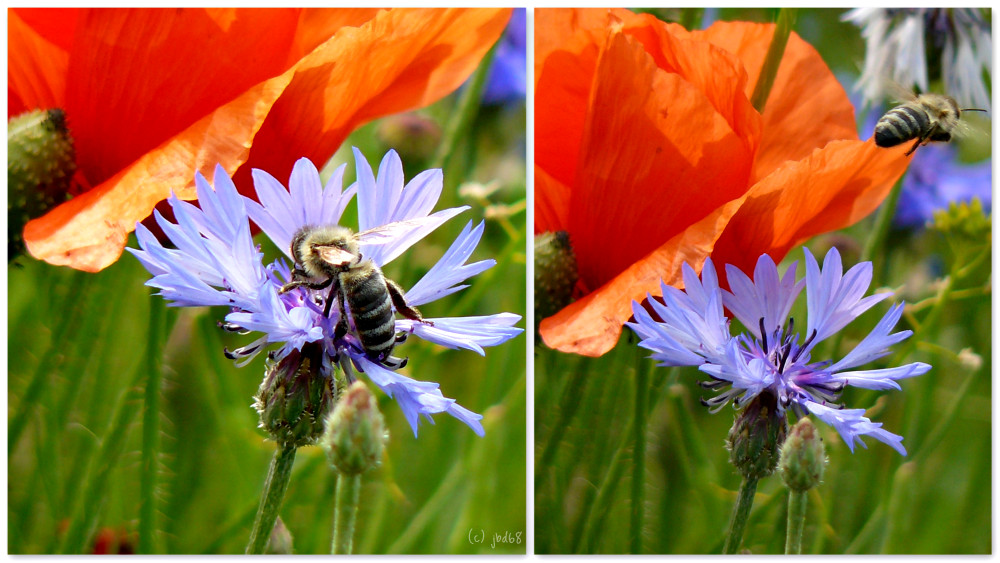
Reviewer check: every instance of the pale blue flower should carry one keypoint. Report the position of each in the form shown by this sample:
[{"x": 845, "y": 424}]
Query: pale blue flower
[
  {"x": 905, "y": 45},
  {"x": 216, "y": 263},
  {"x": 936, "y": 179},
  {"x": 770, "y": 357},
  {"x": 508, "y": 77}
]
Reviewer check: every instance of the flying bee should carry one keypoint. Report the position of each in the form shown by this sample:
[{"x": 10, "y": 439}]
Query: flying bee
[
  {"x": 330, "y": 255},
  {"x": 926, "y": 118}
]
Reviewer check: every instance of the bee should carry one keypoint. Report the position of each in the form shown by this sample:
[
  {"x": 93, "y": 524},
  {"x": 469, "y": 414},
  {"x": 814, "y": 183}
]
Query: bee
[
  {"x": 926, "y": 118},
  {"x": 330, "y": 255}
]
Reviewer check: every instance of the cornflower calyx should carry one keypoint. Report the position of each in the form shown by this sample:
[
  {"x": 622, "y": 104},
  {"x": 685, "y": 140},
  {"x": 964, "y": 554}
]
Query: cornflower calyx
[
  {"x": 768, "y": 359},
  {"x": 297, "y": 393}
]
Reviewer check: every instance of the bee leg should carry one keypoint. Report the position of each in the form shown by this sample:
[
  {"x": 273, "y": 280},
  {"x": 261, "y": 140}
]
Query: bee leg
[
  {"x": 399, "y": 301},
  {"x": 345, "y": 365},
  {"x": 299, "y": 279},
  {"x": 393, "y": 362},
  {"x": 401, "y": 337},
  {"x": 914, "y": 147},
  {"x": 335, "y": 294}
]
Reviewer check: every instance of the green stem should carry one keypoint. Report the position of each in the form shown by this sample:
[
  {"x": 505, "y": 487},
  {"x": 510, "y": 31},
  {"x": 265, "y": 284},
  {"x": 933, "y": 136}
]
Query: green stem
[
  {"x": 797, "y": 501},
  {"x": 639, "y": 453},
  {"x": 741, "y": 513},
  {"x": 151, "y": 428},
  {"x": 571, "y": 399},
  {"x": 77, "y": 303},
  {"x": 882, "y": 222},
  {"x": 602, "y": 504},
  {"x": 775, "y": 51},
  {"x": 691, "y": 18},
  {"x": 86, "y": 513},
  {"x": 270, "y": 501},
  {"x": 345, "y": 513},
  {"x": 465, "y": 112}
]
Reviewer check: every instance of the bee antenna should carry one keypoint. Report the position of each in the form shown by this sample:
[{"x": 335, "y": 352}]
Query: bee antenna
[{"x": 974, "y": 109}]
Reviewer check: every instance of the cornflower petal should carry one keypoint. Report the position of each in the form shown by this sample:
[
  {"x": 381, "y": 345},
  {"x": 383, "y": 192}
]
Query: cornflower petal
[
  {"x": 294, "y": 327},
  {"x": 471, "y": 333},
  {"x": 417, "y": 398},
  {"x": 835, "y": 299},
  {"x": 379, "y": 203},
  {"x": 692, "y": 330},
  {"x": 451, "y": 269},
  {"x": 286, "y": 211},
  {"x": 852, "y": 424},
  {"x": 765, "y": 297}
]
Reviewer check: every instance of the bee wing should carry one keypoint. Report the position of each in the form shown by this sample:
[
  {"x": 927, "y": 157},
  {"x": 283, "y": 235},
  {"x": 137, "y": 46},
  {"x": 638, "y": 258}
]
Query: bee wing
[
  {"x": 896, "y": 92},
  {"x": 333, "y": 255},
  {"x": 389, "y": 232}
]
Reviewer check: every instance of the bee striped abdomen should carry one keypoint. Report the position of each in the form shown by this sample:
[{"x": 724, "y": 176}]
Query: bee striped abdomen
[
  {"x": 900, "y": 124},
  {"x": 371, "y": 309}
]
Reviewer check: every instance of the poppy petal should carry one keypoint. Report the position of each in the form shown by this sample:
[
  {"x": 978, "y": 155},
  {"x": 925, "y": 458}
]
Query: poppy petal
[
  {"x": 592, "y": 325},
  {"x": 650, "y": 136},
  {"x": 36, "y": 67},
  {"x": 832, "y": 188},
  {"x": 807, "y": 107},
  {"x": 89, "y": 231}
]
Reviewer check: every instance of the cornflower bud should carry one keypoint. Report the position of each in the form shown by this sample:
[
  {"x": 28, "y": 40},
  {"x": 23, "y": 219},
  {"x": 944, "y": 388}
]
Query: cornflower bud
[
  {"x": 803, "y": 457},
  {"x": 755, "y": 439},
  {"x": 355, "y": 432}
]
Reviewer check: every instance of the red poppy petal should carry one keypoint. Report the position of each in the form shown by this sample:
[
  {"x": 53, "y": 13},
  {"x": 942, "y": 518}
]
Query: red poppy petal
[
  {"x": 807, "y": 107},
  {"x": 138, "y": 77},
  {"x": 592, "y": 325},
  {"x": 89, "y": 231},
  {"x": 650, "y": 137},
  {"x": 401, "y": 59},
  {"x": 832, "y": 188},
  {"x": 551, "y": 203},
  {"x": 36, "y": 68}
]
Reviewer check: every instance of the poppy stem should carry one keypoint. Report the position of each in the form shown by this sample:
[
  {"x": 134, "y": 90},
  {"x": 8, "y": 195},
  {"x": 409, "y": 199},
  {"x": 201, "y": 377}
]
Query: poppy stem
[
  {"x": 466, "y": 111},
  {"x": 270, "y": 501},
  {"x": 786, "y": 19},
  {"x": 883, "y": 220},
  {"x": 692, "y": 18},
  {"x": 159, "y": 329},
  {"x": 639, "y": 452}
]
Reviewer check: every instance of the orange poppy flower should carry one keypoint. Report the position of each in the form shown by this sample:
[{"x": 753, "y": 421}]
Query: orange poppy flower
[
  {"x": 650, "y": 154},
  {"x": 153, "y": 95}
]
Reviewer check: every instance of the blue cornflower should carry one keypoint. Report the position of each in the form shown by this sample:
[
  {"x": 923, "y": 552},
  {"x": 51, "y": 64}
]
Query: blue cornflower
[
  {"x": 769, "y": 357},
  {"x": 937, "y": 179},
  {"x": 215, "y": 262},
  {"x": 508, "y": 77},
  {"x": 913, "y": 46}
]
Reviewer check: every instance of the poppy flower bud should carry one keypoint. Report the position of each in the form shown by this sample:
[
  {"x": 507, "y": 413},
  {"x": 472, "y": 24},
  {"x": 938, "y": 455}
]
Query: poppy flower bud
[
  {"x": 555, "y": 273},
  {"x": 803, "y": 457},
  {"x": 41, "y": 162},
  {"x": 755, "y": 439},
  {"x": 355, "y": 432},
  {"x": 415, "y": 137},
  {"x": 296, "y": 395}
]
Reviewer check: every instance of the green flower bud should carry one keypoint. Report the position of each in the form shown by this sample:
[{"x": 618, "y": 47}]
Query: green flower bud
[
  {"x": 297, "y": 393},
  {"x": 964, "y": 223},
  {"x": 803, "y": 457},
  {"x": 555, "y": 274},
  {"x": 355, "y": 432},
  {"x": 755, "y": 439},
  {"x": 41, "y": 162},
  {"x": 414, "y": 136}
]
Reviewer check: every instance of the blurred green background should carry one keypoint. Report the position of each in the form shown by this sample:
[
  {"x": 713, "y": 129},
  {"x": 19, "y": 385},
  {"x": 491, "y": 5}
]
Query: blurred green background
[
  {"x": 935, "y": 500},
  {"x": 81, "y": 347}
]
